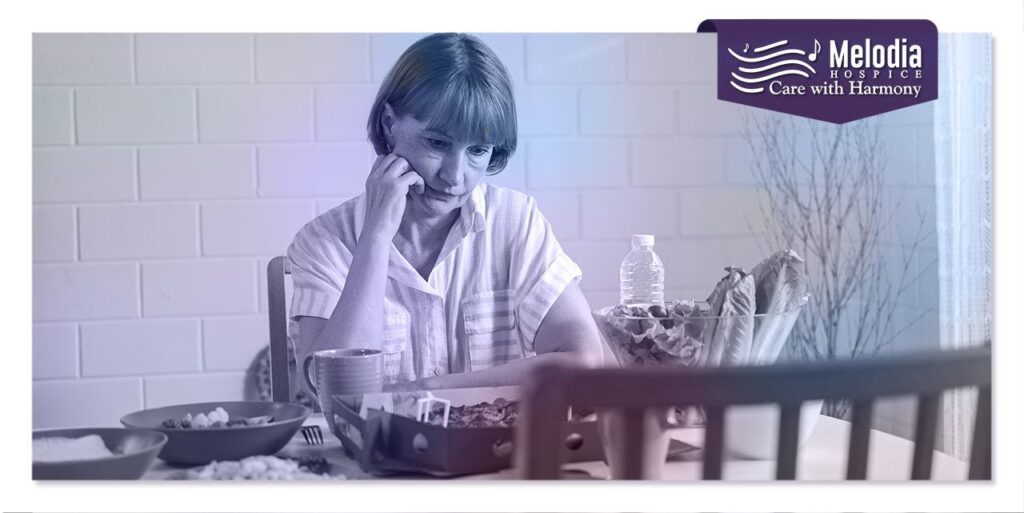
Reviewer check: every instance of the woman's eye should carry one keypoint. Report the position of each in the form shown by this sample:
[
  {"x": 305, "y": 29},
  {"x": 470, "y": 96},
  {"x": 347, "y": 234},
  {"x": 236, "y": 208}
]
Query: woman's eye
[
  {"x": 437, "y": 143},
  {"x": 479, "y": 152}
]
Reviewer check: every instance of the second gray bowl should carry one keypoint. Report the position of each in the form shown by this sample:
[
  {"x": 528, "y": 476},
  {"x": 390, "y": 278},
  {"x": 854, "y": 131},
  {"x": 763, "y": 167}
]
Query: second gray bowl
[
  {"x": 134, "y": 452},
  {"x": 187, "y": 447}
]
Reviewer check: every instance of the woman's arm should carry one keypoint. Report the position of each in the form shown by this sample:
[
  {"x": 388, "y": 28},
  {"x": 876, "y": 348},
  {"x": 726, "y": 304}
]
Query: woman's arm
[
  {"x": 357, "y": 319},
  {"x": 567, "y": 334}
]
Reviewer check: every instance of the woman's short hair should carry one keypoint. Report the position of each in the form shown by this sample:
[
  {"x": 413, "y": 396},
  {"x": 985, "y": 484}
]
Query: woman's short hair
[{"x": 457, "y": 86}]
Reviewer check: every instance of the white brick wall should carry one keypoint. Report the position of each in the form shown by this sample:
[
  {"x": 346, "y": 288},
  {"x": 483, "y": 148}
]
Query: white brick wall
[
  {"x": 554, "y": 109},
  {"x": 627, "y": 110},
  {"x": 316, "y": 58},
  {"x": 308, "y": 170},
  {"x": 341, "y": 111},
  {"x": 52, "y": 119},
  {"x": 253, "y": 227},
  {"x": 86, "y": 402},
  {"x": 169, "y": 168},
  {"x": 132, "y": 114},
  {"x": 79, "y": 175},
  {"x": 229, "y": 343},
  {"x": 74, "y": 292},
  {"x": 577, "y": 163},
  {"x": 140, "y": 347},
  {"x": 199, "y": 287},
  {"x": 575, "y": 58},
  {"x": 196, "y": 172},
  {"x": 54, "y": 350},
  {"x": 167, "y": 390},
  {"x": 193, "y": 58},
  {"x": 137, "y": 231},
  {"x": 81, "y": 59},
  {"x": 53, "y": 234},
  {"x": 249, "y": 113}
]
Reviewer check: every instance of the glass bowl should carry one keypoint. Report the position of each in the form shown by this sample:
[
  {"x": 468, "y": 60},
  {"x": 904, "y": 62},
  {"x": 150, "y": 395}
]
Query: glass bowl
[{"x": 686, "y": 335}]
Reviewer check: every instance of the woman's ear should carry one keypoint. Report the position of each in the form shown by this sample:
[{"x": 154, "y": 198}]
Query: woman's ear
[{"x": 387, "y": 121}]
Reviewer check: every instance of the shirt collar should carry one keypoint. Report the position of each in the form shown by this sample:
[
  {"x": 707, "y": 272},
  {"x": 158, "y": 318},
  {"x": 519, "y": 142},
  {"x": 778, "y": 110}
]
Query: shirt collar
[{"x": 474, "y": 210}]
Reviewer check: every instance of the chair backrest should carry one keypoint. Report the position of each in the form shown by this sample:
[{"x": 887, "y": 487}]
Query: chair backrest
[
  {"x": 278, "y": 312},
  {"x": 553, "y": 388}
]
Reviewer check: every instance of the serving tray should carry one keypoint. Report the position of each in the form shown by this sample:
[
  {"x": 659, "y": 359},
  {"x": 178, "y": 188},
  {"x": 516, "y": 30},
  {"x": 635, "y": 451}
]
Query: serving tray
[{"x": 390, "y": 440}]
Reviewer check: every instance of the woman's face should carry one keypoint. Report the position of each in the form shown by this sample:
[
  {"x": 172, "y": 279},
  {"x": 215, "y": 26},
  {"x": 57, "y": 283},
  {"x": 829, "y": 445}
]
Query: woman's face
[{"x": 450, "y": 169}]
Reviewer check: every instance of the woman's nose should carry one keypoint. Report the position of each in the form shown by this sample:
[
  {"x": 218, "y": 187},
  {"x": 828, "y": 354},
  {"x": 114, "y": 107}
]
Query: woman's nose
[{"x": 454, "y": 170}]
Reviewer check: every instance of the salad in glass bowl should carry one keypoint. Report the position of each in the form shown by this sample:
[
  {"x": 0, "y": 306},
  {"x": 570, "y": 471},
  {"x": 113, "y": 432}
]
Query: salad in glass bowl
[{"x": 746, "y": 320}]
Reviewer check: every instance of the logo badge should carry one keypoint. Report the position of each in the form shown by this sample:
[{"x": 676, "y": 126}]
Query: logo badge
[{"x": 830, "y": 70}]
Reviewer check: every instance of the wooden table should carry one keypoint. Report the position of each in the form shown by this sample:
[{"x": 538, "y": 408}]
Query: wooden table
[{"x": 821, "y": 457}]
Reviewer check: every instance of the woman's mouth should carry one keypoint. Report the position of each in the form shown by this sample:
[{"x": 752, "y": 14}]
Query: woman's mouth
[{"x": 441, "y": 195}]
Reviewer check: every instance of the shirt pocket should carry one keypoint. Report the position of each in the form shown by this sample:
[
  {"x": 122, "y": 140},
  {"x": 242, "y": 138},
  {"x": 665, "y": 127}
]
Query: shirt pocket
[
  {"x": 489, "y": 320},
  {"x": 394, "y": 342}
]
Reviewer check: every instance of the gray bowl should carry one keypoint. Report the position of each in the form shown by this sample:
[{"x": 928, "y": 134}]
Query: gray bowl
[
  {"x": 134, "y": 452},
  {"x": 187, "y": 447}
]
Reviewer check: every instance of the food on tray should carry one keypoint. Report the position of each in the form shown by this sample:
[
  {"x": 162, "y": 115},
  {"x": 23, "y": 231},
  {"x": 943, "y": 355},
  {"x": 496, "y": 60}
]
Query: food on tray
[
  {"x": 732, "y": 327},
  {"x": 57, "y": 448},
  {"x": 500, "y": 413},
  {"x": 269, "y": 468},
  {"x": 217, "y": 418},
  {"x": 781, "y": 287}
]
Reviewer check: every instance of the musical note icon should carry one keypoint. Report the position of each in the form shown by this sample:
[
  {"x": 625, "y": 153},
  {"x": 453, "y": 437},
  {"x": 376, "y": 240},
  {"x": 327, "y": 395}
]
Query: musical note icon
[
  {"x": 814, "y": 55},
  {"x": 746, "y": 47}
]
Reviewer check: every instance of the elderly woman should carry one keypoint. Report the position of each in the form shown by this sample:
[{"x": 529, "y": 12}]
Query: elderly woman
[{"x": 459, "y": 283}]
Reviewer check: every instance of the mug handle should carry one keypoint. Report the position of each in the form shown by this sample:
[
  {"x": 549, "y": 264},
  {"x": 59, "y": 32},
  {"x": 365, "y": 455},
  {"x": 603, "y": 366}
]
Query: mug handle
[{"x": 305, "y": 374}]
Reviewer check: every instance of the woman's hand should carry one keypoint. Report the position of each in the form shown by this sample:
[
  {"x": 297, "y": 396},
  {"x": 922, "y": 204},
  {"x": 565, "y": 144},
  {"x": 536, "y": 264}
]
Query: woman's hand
[{"x": 391, "y": 178}]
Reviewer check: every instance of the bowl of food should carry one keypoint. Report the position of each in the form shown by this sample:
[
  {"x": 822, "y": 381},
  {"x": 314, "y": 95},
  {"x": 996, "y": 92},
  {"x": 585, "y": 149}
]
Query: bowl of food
[
  {"x": 688, "y": 333},
  {"x": 94, "y": 453},
  {"x": 746, "y": 320},
  {"x": 203, "y": 432}
]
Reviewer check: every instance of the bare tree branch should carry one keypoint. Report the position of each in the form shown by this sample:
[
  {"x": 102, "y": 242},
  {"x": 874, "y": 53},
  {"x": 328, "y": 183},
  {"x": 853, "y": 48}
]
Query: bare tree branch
[{"x": 826, "y": 198}]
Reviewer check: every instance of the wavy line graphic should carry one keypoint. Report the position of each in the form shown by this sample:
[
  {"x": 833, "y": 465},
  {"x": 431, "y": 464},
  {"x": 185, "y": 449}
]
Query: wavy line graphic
[
  {"x": 754, "y": 60},
  {"x": 769, "y": 47},
  {"x": 758, "y": 80},
  {"x": 754, "y": 75},
  {"x": 776, "y": 65},
  {"x": 746, "y": 89}
]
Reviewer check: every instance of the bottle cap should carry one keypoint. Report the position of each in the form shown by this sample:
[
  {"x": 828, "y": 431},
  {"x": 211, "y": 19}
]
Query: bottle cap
[{"x": 643, "y": 240}]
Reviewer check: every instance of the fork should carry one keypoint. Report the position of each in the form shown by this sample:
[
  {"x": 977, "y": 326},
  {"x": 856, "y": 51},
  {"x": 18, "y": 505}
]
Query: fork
[{"x": 313, "y": 435}]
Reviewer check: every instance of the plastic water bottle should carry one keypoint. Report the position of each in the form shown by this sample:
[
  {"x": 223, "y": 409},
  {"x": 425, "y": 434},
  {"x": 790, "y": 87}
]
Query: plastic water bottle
[{"x": 642, "y": 275}]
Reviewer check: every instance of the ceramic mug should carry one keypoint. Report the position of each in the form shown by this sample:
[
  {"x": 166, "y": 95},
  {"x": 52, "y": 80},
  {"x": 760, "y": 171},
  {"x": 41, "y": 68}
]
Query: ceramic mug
[{"x": 342, "y": 372}]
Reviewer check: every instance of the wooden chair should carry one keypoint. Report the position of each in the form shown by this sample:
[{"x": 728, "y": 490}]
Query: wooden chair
[
  {"x": 277, "y": 308},
  {"x": 631, "y": 391}
]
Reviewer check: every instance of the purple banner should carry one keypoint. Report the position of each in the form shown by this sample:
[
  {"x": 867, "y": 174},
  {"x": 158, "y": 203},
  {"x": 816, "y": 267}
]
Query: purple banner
[{"x": 830, "y": 70}]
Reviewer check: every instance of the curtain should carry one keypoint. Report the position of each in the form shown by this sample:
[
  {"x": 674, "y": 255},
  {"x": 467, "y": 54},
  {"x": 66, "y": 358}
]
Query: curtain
[{"x": 963, "y": 180}]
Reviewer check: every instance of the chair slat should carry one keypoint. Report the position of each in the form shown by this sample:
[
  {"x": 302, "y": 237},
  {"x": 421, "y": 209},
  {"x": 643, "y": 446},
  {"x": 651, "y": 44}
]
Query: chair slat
[
  {"x": 714, "y": 435},
  {"x": 789, "y": 438},
  {"x": 277, "y": 312},
  {"x": 717, "y": 389},
  {"x": 924, "y": 436},
  {"x": 980, "y": 466},
  {"x": 632, "y": 453},
  {"x": 860, "y": 440},
  {"x": 538, "y": 442}
]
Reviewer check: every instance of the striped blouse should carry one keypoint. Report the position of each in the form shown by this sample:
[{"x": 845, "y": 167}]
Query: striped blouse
[{"x": 498, "y": 273}]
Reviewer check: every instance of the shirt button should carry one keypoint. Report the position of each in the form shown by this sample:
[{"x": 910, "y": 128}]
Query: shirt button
[{"x": 438, "y": 371}]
